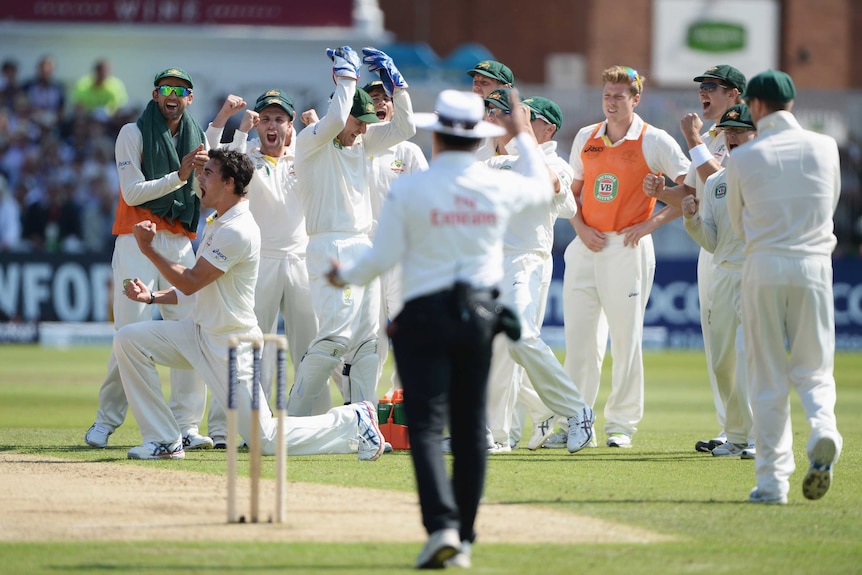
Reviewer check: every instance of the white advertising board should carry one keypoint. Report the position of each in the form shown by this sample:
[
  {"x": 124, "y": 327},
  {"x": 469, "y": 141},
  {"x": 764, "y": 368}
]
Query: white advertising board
[{"x": 690, "y": 36}]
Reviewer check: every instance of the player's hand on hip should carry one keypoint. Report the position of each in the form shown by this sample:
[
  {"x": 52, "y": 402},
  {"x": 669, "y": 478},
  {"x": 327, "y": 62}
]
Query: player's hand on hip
[
  {"x": 250, "y": 119},
  {"x": 593, "y": 239},
  {"x": 633, "y": 234},
  {"x": 690, "y": 205}
]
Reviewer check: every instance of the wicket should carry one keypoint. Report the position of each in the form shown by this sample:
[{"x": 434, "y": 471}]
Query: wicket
[{"x": 254, "y": 446}]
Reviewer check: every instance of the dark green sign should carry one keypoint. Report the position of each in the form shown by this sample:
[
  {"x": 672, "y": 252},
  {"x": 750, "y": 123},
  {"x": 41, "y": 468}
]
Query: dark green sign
[{"x": 712, "y": 36}]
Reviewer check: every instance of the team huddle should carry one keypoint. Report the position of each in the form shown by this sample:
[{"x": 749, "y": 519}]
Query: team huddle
[{"x": 345, "y": 230}]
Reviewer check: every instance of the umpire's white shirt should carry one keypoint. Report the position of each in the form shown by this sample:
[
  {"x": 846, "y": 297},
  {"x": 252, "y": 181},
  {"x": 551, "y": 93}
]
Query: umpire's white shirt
[
  {"x": 443, "y": 224},
  {"x": 333, "y": 179},
  {"x": 231, "y": 243}
]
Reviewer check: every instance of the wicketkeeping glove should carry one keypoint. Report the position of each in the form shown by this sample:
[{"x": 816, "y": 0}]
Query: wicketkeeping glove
[
  {"x": 345, "y": 62},
  {"x": 382, "y": 65}
]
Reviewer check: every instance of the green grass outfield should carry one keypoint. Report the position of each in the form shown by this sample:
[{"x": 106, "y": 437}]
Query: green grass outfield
[{"x": 48, "y": 399}]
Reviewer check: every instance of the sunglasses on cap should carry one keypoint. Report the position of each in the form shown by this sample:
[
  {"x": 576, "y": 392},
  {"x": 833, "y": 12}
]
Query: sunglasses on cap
[
  {"x": 634, "y": 76},
  {"x": 534, "y": 116},
  {"x": 736, "y": 129},
  {"x": 180, "y": 91},
  {"x": 493, "y": 112},
  {"x": 711, "y": 86}
]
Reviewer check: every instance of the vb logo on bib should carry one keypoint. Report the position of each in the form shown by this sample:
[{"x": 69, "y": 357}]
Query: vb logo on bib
[{"x": 606, "y": 187}]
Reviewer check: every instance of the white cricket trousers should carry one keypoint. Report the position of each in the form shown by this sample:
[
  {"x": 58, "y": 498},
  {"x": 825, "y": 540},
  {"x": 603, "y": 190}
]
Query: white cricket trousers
[
  {"x": 348, "y": 317},
  {"x": 139, "y": 347},
  {"x": 282, "y": 285},
  {"x": 704, "y": 289},
  {"x": 726, "y": 339},
  {"x": 525, "y": 288},
  {"x": 616, "y": 280},
  {"x": 188, "y": 391},
  {"x": 788, "y": 299}
]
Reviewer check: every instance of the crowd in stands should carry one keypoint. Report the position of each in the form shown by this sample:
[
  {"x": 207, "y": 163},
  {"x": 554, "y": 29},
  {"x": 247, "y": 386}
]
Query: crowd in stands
[{"x": 58, "y": 181}]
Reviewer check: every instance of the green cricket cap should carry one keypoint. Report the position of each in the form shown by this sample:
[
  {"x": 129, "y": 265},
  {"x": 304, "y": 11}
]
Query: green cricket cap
[
  {"x": 278, "y": 98},
  {"x": 493, "y": 69},
  {"x": 174, "y": 73},
  {"x": 499, "y": 98},
  {"x": 373, "y": 85},
  {"x": 548, "y": 109},
  {"x": 773, "y": 85},
  {"x": 725, "y": 74},
  {"x": 363, "y": 108},
  {"x": 737, "y": 116}
]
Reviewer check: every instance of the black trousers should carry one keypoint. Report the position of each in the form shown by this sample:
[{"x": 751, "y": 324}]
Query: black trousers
[{"x": 443, "y": 358}]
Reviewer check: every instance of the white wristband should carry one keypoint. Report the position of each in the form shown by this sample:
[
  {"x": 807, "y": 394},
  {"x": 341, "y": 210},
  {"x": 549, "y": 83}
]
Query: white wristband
[
  {"x": 183, "y": 299},
  {"x": 699, "y": 155}
]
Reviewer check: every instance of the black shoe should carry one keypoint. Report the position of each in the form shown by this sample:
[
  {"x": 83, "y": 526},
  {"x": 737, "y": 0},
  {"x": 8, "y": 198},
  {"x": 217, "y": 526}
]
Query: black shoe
[{"x": 705, "y": 446}]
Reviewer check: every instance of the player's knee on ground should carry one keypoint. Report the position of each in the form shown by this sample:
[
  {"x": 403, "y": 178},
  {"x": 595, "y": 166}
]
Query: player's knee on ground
[{"x": 313, "y": 374}]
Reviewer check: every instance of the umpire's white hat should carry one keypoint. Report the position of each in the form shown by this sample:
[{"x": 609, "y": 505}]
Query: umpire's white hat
[{"x": 459, "y": 114}]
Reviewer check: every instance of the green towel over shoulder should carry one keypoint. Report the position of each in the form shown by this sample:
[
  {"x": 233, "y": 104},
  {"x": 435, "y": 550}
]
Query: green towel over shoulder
[{"x": 160, "y": 158}]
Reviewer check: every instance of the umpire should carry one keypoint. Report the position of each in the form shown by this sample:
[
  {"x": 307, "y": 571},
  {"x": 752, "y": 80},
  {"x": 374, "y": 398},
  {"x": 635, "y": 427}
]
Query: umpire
[{"x": 445, "y": 227}]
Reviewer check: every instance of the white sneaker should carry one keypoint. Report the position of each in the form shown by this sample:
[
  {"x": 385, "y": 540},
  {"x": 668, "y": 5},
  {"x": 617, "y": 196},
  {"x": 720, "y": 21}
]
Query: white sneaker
[
  {"x": 463, "y": 558},
  {"x": 194, "y": 440},
  {"x": 618, "y": 439},
  {"x": 819, "y": 477},
  {"x": 593, "y": 442},
  {"x": 557, "y": 440},
  {"x": 757, "y": 497},
  {"x": 97, "y": 436},
  {"x": 371, "y": 441},
  {"x": 499, "y": 448},
  {"x": 443, "y": 544},
  {"x": 152, "y": 450},
  {"x": 219, "y": 442},
  {"x": 748, "y": 453},
  {"x": 542, "y": 432},
  {"x": 729, "y": 449},
  {"x": 580, "y": 430}
]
